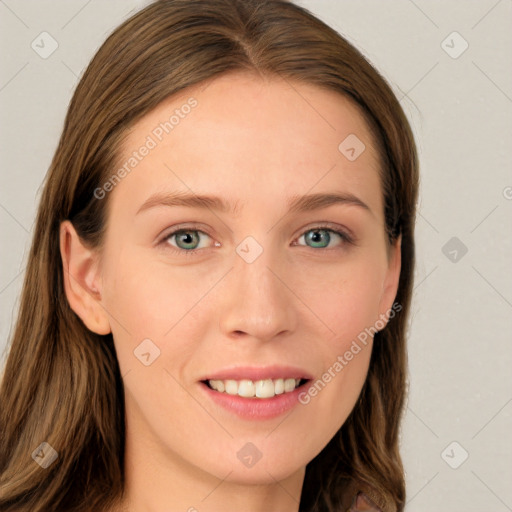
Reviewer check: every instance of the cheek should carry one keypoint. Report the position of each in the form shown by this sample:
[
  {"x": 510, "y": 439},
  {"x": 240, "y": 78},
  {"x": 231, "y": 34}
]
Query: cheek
[
  {"x": 149, "y": 297},
  {"x": 346, "y": 298}
]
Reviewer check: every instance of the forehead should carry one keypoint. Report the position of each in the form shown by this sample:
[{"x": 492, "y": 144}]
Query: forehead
[{"x": 251, "y": 139}]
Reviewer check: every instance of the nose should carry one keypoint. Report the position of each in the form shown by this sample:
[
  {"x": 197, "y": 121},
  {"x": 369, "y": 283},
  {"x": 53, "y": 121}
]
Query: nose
[{"x": 256, "y": 302}]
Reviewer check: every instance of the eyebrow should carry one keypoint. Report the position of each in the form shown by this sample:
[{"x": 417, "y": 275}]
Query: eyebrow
[
  {"x": 317, "y": 201},
  {"x": 188, "y": 199},
  {"x": 296, "y": 203}
]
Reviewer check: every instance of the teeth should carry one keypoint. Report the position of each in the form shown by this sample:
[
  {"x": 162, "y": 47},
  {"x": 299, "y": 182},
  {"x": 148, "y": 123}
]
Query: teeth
[
  {"x": 245, "y": 388},
  {"x": 260, "y": 389},
  {"x": 265, "y": 388},
  {"x": 289, "y": 385},
  {"x": 279, "y": 386},
  {"x": 231, "y": 387}
]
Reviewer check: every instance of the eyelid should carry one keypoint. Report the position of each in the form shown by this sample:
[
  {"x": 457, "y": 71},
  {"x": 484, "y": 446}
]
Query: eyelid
[
  {"x": 346, "y": 235},
  {"x": 163, "y": 240},
  {"x": 182, "y": 227}
]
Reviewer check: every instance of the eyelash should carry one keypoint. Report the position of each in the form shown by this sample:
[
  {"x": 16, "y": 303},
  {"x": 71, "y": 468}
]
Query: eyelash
[{"x": 345, "y": 239}]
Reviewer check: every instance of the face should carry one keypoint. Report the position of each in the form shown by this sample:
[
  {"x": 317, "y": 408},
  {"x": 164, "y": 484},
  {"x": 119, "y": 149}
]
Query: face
[{"x": 246, "y": 252}]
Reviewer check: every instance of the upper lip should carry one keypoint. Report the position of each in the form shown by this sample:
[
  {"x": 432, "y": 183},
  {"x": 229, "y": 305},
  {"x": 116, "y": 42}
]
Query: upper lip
[{"x": 259, "y": 373}]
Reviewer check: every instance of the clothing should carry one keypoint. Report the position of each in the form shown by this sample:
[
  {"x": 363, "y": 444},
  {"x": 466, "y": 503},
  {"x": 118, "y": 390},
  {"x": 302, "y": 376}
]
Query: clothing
[
  {"x": 362, "y": 498},
  {"x": 362, "y": 503}
]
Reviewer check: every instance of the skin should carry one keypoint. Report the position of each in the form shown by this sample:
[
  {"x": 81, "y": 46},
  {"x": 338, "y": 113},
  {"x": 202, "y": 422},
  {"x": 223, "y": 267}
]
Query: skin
[{"x": 253, "y": 142}]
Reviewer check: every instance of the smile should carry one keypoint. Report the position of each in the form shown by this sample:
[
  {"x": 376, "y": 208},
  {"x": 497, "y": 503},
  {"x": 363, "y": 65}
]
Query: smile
[{"x": 266, "y": 388}]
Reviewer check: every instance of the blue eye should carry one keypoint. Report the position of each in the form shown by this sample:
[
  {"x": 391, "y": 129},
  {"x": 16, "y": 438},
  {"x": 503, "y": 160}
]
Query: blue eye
[
  {"x": 186, "y": 239},
  {"x": 320, "y": 238}
]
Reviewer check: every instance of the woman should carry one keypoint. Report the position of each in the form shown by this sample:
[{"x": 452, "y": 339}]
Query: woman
[{"x": 215, "y": 303}]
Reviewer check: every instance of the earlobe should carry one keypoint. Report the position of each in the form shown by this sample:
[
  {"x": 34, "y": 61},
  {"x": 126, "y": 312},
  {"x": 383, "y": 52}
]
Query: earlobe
[
  {"x": 82, "y": 281},
  {"x": 392, "y": 279}
]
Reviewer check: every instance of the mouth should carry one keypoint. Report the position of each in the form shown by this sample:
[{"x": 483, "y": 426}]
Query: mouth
[
  {"x": 257, "y": 389},
  {"x": 255, "y": 393}
]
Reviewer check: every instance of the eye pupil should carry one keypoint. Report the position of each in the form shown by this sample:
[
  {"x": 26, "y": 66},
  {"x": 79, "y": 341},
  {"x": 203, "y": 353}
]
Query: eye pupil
[
  {"x": 187, "y": 239},
  {"x": 318, "y": 237}
]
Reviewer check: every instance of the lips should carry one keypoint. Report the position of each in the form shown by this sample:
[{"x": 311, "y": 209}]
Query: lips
[{"x": 256, "y": 393}]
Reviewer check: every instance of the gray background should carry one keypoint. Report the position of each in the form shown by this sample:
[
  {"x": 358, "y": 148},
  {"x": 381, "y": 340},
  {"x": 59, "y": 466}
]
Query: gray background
[{"x": 460, "y": 107}]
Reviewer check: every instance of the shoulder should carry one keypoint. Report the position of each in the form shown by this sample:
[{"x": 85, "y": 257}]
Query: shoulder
[{"x": 363, "y": 503}]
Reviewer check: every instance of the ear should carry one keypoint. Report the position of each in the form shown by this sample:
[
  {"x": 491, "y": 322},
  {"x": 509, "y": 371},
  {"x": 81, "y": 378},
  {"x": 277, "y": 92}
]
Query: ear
[
  {"x": 82, "y": 280},
  {"x": 391, "y": 281}
]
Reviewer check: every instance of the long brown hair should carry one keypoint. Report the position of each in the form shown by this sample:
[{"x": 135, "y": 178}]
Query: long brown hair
[{"x": 61, "y": 383}]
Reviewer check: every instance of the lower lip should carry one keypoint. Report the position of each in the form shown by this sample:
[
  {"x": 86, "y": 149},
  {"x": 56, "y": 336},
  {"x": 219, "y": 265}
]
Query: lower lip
[{"x": 255, "y": 408}]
